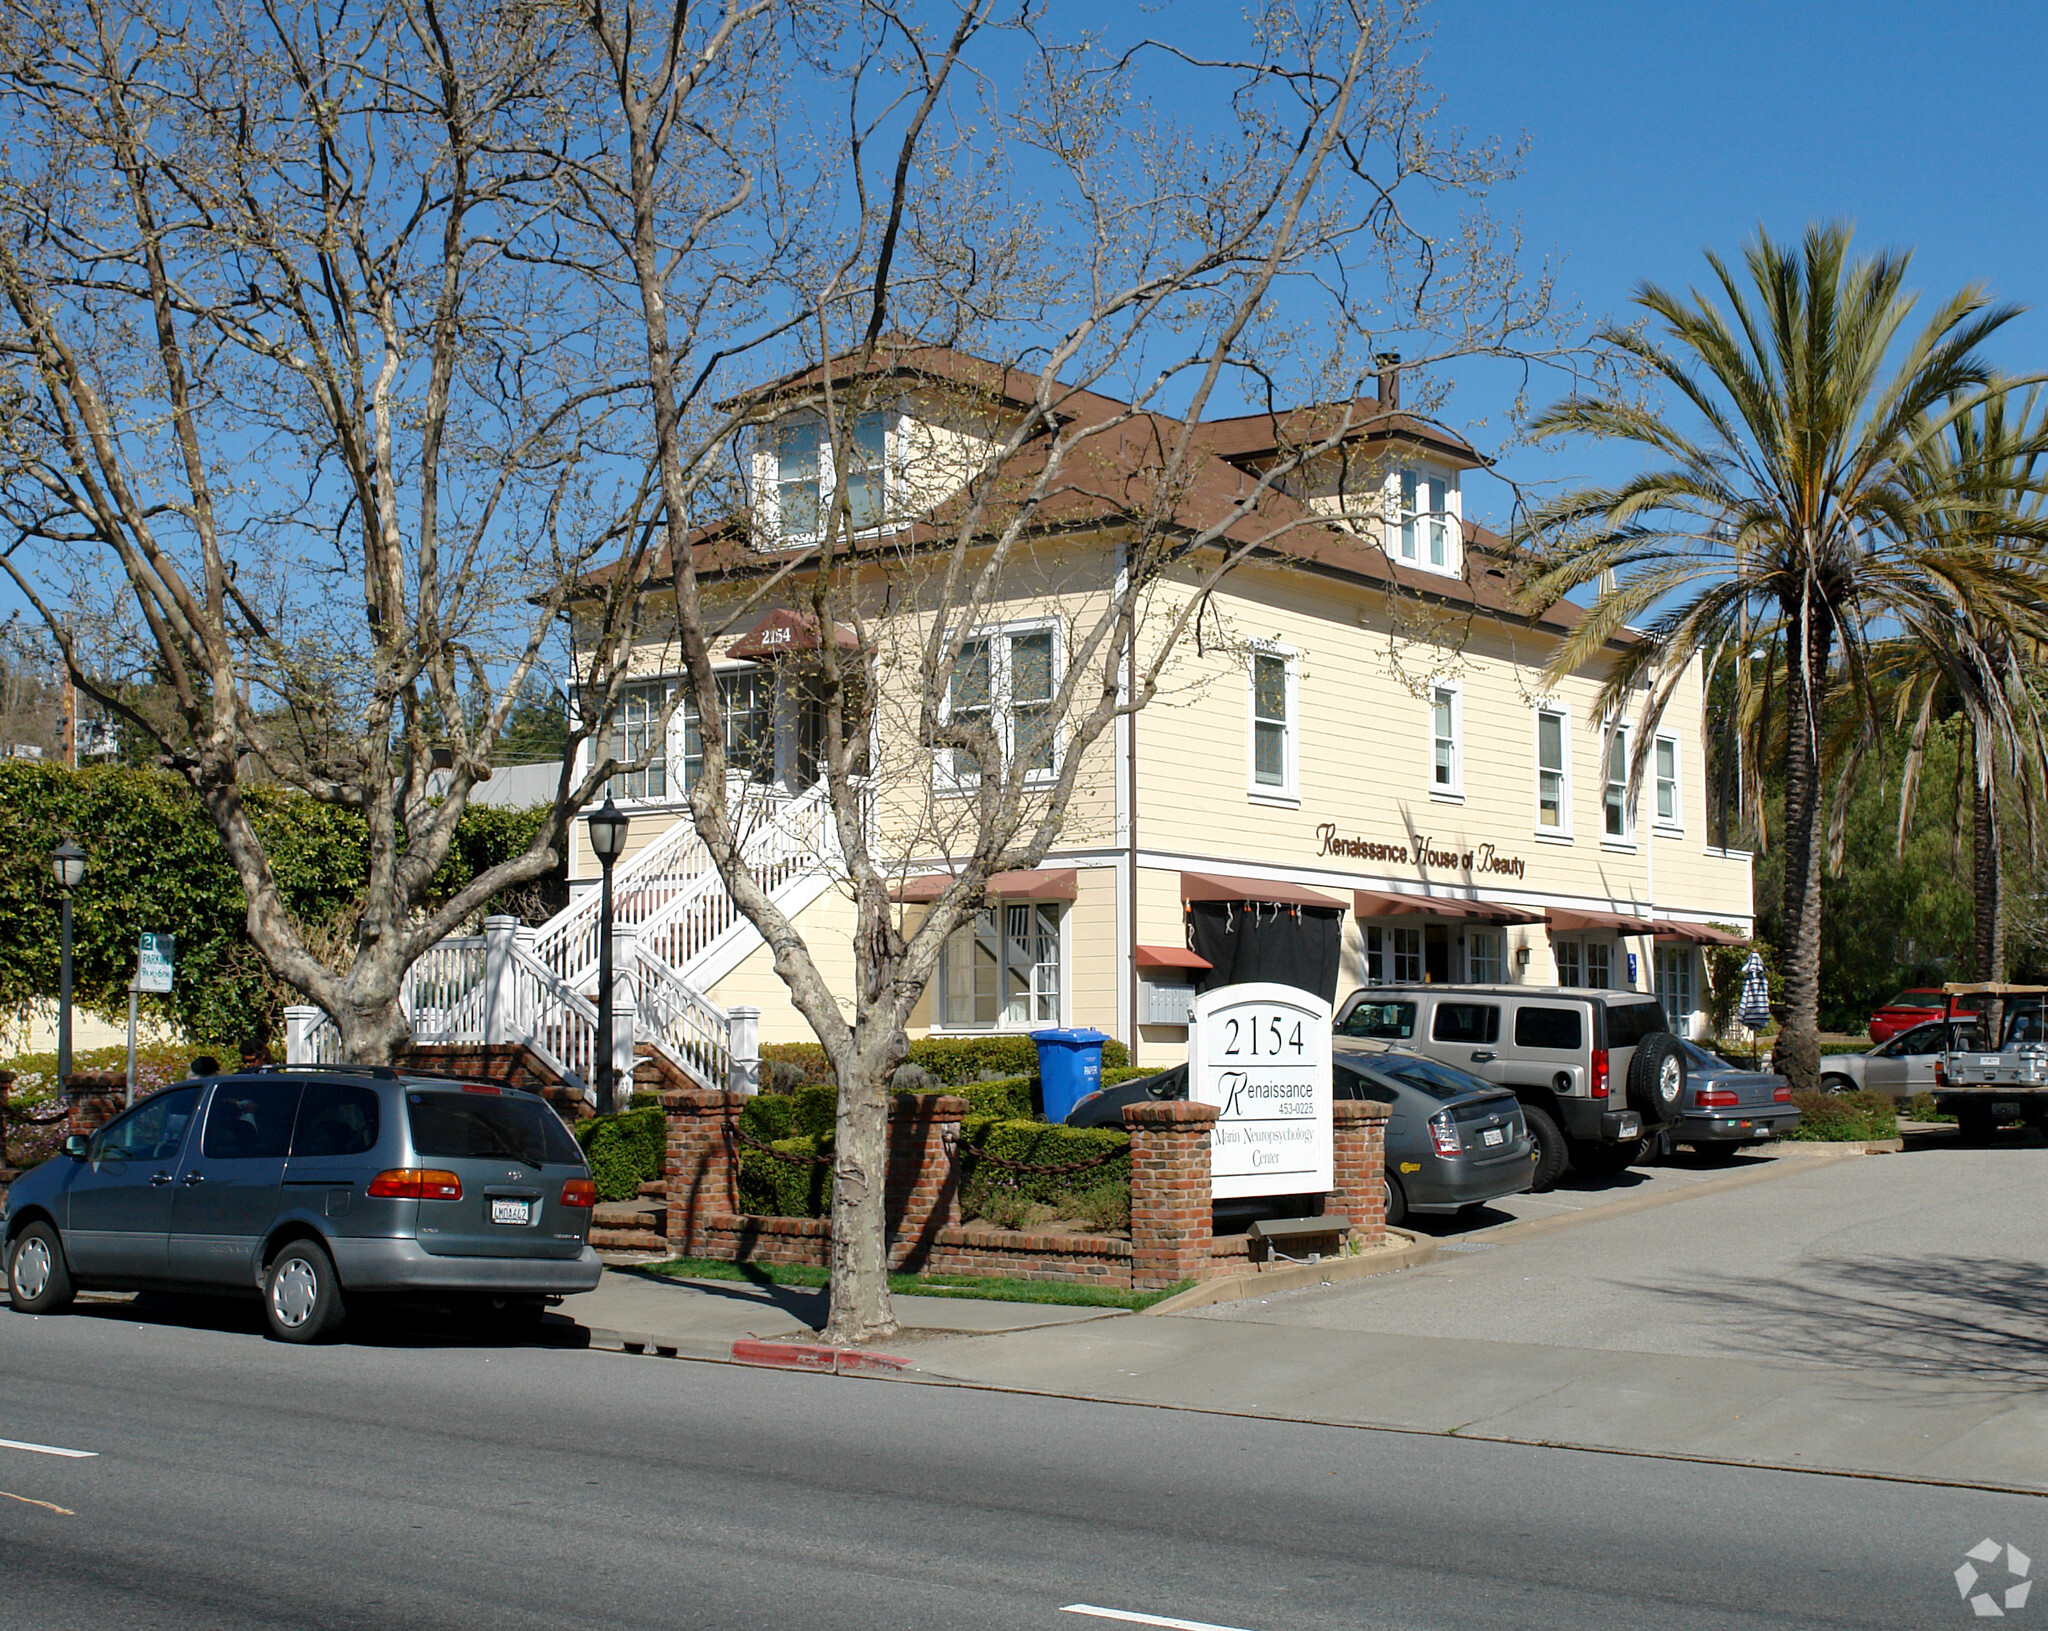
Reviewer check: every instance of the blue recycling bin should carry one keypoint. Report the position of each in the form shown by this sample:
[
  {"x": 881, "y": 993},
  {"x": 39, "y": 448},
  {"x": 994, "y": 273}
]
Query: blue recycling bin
[{"x": 1069, "y": 1069}]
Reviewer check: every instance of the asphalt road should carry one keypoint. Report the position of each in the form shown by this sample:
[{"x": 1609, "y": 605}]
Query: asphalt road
[{"x": 401, "y": 1481}]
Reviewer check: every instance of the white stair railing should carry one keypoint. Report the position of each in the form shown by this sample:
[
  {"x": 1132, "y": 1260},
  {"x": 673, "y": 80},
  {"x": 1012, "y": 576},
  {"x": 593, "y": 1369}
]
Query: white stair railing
[
  {"x": 681, "y": 1022},
  {"x": 444, "y": 993},
  {"x": 568, "y": 941},
  {"x": 558, "y": 1023}
]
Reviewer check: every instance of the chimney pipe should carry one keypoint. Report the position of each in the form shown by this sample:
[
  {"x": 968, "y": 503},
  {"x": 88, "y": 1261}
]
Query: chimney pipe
[{"x": 1389, "y": 364}]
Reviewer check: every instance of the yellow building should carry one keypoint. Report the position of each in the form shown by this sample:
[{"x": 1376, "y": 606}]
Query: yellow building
[{"x": 1357, "y": 737}]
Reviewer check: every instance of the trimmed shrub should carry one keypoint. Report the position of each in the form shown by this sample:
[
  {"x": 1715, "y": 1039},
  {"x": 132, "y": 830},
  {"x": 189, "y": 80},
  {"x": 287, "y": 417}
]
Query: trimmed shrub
[
  {"x": 624, "y": 1151},
  {"x": 780, "y": 1189},
  {"x": 769, "y": 1118},
  {"x": 1006, "y": 1100},
  {"x": 1039, "y": 1144},
  {"x": 1825, "y": 1118},
  {"x": 814, "y": 1110},
  {"x": 806, "y": 1059},
  {"x": 959, "y": 1060}
]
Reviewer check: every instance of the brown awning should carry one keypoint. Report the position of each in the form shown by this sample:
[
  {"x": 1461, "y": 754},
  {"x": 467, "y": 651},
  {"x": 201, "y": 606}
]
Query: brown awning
[
  {"x": 1215, "y": 886},
  {"x": 1171, "y": 957},
  {"x": 1619, "y": 922},
  {"x": 783, "y": 631},
  {"x": 1699, "y": 934},
  {"x": 1379, "y": 903},
  {"x": 1051, "y": 884}
]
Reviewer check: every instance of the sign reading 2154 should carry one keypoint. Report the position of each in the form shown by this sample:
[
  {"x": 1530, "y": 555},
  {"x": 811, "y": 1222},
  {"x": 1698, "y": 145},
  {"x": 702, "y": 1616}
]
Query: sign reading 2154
[{"x": 1261, "y": 1055}]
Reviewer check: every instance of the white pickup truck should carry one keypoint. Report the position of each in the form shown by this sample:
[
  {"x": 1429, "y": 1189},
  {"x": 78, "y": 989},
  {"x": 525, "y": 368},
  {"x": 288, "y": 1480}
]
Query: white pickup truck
[{"x": 1983, "y": 1088}]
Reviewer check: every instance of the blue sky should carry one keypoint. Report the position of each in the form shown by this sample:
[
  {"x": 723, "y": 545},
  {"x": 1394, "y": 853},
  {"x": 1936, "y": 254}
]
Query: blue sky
[{"x": 1657, "y": 130}]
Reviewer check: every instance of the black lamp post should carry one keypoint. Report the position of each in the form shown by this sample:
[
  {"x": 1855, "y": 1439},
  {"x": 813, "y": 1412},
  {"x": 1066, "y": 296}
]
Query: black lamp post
[
  {"x": 607, "y": 838},
  {"x": 67, "y": 860}
]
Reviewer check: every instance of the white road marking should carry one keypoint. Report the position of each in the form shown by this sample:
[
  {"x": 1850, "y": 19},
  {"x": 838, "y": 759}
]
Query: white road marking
[
  {"x": 1144, "y": 1619},
  {"x": 47, "y": 1449}
]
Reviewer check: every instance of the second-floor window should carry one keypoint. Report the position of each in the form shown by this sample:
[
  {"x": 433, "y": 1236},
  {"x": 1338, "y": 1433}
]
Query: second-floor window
[
  {"x": 1425, "y": 521},
  {"x": 746, "y": 696},
  {"x": 1273, "y": 723},
  {"x": 1552, "y": 806},
  {"x": 1005, "y": 680},
  {"x": 1667, "y": 781},
  {"x": 640, "y": 732},
  {"x": 1614, "y": 792},
  {"x": 1443, "y": 714}
]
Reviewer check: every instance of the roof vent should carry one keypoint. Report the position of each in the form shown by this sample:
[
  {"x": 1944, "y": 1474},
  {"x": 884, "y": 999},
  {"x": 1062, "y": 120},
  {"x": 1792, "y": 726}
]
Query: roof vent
[{"x": 1389, "y": 365}]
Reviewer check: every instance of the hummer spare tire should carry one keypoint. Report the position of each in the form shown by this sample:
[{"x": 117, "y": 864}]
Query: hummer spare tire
[{"x": 1656, "y": 1079}]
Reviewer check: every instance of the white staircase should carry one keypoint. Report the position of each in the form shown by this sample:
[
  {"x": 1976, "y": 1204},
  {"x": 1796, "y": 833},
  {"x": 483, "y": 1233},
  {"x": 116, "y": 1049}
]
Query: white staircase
[{"x": 676, "y": 932}]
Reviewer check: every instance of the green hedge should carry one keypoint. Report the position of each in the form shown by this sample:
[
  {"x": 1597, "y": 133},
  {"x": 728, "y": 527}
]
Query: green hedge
[
  {"x": 782, "y": 1189},
  {"x": 624, "y": 1151},
  {"x": 1828, "y": 1118},
  {"x": 952, "y": 1061},
  {"x": 1039, "y": 1144}
]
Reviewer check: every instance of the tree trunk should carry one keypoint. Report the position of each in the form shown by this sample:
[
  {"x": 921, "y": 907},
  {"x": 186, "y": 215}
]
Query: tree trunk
[
  {"x": 1809, "y": 640},
  {"x": 1987, "y": 884},
  {"x": 861, "y": 1310}
]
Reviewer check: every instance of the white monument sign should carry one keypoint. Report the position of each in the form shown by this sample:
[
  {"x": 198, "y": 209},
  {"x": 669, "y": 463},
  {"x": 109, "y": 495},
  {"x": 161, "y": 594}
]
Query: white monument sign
[
  {"x": 1261, "y": 1055},
  {"x": 153, "y": 962}
]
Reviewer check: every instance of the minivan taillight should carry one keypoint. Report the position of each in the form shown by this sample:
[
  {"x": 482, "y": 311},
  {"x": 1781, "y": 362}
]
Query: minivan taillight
[
  {"x": 1714, "y": 1098},
  {"x": 1443, "y": 1133},
  {"x": 579, "y": 1192},
  {"x": 1599, "y": 1073},
  {"x": 416, "y": 1184}
]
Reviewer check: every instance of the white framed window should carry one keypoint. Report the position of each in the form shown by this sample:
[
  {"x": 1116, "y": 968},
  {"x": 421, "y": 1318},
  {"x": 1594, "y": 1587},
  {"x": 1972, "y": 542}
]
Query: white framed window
[
  {"x": 802, "y": 476},
  {"x": 1584, "y": 962},
  {"x": 746, "y": 696},
  {"x": 1007, "y": 679},
  {"x": 1393, "y": 955},
  {"x": 1571, "y": 961},
  {"x": 1273, "y": 732},
  {"x": 1446, "y": 731},
  {"x": 1426, "y": 537},
  {"x": 1665, "y": 771},
  {"x": 1553, "y": 772},
  {"x": 639, "y": 731},
  {"x": 1486, "y": 956},
  {"x": 1677, "y": 985},
  {"x": 1001, "y": 970},
  {"x": 1599, "y": 965},
  {"x": 1617, "y": 821}
]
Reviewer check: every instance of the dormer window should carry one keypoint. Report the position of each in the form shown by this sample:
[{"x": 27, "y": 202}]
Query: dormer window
[
  {"x": 1425, "y": 522},
  {"x": 802, "y": 476}
]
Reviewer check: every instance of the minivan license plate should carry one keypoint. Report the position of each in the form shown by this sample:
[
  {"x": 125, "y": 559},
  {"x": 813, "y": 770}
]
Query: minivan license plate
[
  {"x": 1494, "y": 1135},
  {"x": 503, "y": 1211}
]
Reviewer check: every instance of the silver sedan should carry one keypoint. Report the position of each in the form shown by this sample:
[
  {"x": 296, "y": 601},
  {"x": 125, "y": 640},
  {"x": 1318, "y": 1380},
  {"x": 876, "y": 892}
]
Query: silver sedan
[{"x": 1901, "y": 1067}]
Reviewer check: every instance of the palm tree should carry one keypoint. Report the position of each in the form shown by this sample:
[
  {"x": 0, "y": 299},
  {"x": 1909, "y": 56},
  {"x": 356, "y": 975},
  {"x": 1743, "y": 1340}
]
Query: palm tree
[
  {"x": 1983, "y": 669},
  {"x": 1793, "y": 514}
]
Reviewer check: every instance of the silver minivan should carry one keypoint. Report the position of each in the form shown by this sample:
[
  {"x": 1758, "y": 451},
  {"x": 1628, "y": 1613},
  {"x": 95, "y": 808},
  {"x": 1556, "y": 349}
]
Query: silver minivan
[
  {"x": 1597, "y": 1072},
  {"x": 306, "y": 1188}
]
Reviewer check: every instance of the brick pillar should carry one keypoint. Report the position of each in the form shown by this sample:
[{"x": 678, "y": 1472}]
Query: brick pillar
[
  {"x": 703, "y": 1181},
  {"x": 1170, "y": 1217},
  {"x": 92, "y": 1100},
  {"x": 923, "y": 1188},
  {"x": 1360, "y": 1129}
]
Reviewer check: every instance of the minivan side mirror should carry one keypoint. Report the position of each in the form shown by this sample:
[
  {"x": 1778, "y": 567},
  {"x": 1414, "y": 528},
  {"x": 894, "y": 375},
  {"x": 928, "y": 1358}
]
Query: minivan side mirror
[{"x": 76, "y": 1145}]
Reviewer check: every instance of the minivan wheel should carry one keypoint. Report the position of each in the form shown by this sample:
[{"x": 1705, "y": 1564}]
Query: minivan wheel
[
  {"x": 38, "y": 1279},
  {"x": 1656, "y": 1079},
  {"x": 1553, "y": 1154},
  {"x": 1397, "y": 1198},
  {"x": 301, "y": 1296}
]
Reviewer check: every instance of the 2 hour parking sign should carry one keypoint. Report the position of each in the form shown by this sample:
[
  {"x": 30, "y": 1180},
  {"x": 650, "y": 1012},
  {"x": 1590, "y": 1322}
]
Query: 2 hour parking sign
[{"x": 1261, "y": 1054}]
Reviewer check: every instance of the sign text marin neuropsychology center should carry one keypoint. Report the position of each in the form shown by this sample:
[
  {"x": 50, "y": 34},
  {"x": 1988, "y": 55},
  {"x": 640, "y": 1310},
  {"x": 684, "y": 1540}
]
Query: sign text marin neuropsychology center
[
  {"x": 1420, "y": 849},
  {"x": 1261, "y": 1054},
  {"x": 153, "y": 962}
]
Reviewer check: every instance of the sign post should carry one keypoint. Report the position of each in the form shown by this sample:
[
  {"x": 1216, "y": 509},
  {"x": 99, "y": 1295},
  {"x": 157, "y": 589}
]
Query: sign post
[
  {"x": 153, "y": 964},
  {"x": 1261, "y": 1054}
]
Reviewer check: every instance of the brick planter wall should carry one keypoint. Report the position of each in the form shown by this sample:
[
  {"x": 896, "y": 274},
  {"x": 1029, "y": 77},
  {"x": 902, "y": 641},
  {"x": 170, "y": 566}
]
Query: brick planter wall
[
  {"x": 1361, "y": 1193},
  {"x": 92, "y": 1100},
  {"x": 1171, "y": 1230},
  {"x": 921, "y": 1198},
  {"x": 703, "y": 1179}
]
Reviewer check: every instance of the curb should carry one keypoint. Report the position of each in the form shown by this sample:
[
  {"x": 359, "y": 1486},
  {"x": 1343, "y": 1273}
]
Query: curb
[
  {"x": 814, "y": 1356},
  {"x": 1233, "y": 1288}
]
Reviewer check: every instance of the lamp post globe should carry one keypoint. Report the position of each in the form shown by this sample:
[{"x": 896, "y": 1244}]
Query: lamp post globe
[
  {"x": 67, "y": 862},
  {"x": 607, "y": 828}
]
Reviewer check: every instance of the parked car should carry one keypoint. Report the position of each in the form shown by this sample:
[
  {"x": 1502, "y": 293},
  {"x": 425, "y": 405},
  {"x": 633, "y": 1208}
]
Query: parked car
[
  {"x": 1728, "y": 1107},
  {"x": 1595, "y": 1071},
  {"x": 1914, "y": 1007},
  {"x": 1903, "y": 1066},
  {"x": 1453, "y": 1141},
  {"x": 307, "y": 1188}
]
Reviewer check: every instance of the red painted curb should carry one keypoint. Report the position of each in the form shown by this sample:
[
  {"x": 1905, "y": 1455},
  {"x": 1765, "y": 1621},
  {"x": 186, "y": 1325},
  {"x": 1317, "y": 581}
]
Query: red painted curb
[{"x": 813, "y": 1356}]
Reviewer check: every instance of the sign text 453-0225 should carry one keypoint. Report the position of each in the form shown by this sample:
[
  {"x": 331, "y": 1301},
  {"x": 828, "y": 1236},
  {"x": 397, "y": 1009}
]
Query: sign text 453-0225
[{"x": 1261, "y": 1054}]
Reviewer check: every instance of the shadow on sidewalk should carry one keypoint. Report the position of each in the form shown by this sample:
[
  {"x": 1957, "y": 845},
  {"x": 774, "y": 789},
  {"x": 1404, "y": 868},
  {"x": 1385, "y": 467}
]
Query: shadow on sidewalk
[
  {"x": 1984, "y": 1318},
  {"x": 807, "y": 1303}
]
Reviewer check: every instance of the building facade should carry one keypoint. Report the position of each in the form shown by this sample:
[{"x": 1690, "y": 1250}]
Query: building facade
[{"x": 1358, "y": 737}]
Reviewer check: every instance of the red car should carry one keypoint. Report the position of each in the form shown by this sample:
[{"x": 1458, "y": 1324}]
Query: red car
[{"x": 1910, "y": 1008}]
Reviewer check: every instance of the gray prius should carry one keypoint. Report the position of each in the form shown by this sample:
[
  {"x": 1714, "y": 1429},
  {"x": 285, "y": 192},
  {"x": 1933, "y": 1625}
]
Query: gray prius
[{"x": 308, "y": 1188}]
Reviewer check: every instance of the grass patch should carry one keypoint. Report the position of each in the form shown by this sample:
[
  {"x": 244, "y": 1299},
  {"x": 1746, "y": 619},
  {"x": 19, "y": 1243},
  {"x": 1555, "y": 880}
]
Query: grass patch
[{"x": 918, "y": 1285}]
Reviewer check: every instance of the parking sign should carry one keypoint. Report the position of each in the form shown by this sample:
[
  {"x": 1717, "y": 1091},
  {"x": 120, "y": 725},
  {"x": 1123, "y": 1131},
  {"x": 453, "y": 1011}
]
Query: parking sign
[{"x": 153, "y": 962}]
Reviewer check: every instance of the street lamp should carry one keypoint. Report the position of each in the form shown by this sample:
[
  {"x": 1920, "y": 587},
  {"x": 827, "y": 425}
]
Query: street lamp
[
  {"x": 67, "y": 860},
  {"x": 607, "y": 839}
]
